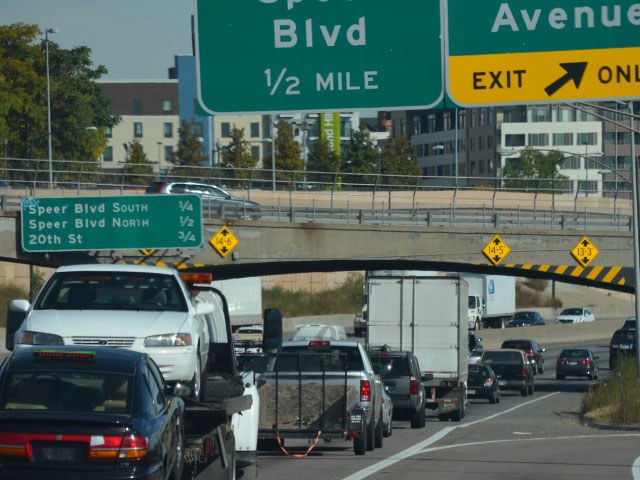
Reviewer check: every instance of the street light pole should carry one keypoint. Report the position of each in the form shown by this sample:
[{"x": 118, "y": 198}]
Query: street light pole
[
  {"x": 273, "y": 154},
  {"x": 46, "y": 44},
  {"x": 636, "y": 241}
]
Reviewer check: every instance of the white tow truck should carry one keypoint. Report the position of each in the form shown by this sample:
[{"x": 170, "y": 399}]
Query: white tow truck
[{"x": 180, "y": 321}]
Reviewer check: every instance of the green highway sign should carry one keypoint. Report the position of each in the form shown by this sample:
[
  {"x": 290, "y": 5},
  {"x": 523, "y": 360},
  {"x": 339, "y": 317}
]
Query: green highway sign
[
  {"x": 265, "y": 56},
  {"x": 111, "y": 223},
  {"x": 513, "y": 52}
]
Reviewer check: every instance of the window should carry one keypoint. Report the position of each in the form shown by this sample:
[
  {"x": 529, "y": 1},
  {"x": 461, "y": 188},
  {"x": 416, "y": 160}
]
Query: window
[
  {"x": 137, "y": 129},
  {"x": 563, "y": 139},
  {"x": 480, "y": 143},
  {"x": 255, "y": 129},
  {"x": 255, "y": 151},
  {"x": 571, "y": 163},
  {"x": 431, "y": 123},
  {"x": 168, "y": 152},
  {"x": 137, "y": 106},
  {"x": 481, "y": 167},
  {"x": 514, "y": 140},
  {"x": 107, "y": 156},
  {"x": 490, "y": 141},
  {"x": 587, "y": 138},
  {"x": 108, "y": 132},
  {"x": 168, "y": 130},
  {"x": 346, "y": 128},
  {"x": 416, "y": 124},
  {"x": 588, "y": 186},
  {"x": 225, "y": 129},
  {"x": 155, "y": 390},
  {"x": 538, "y": 139},
  {"x": 167, "y": 106}
]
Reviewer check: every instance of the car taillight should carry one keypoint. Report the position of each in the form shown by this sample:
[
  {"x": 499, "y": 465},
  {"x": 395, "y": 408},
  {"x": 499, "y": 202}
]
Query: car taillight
[
  {"x": 100, "y": 447},
  {"x": 529, "y": 353},
  {"x": 365, "y": 391},
  {"x": 413, "y": 386},
  {"x": 524, "y": 372},
  {"x": 561, "y": 361},
  {"x": 488, "y": 382},
  {"x": 115, "y": 447},
  {"x": 13, "y": 445},
  {"x": 586, "y": 361}
]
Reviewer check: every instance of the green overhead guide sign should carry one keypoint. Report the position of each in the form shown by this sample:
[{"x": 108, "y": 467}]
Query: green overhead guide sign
[
  {"x": 111, "y": 223},
  {"x": 265, "y": 56}
]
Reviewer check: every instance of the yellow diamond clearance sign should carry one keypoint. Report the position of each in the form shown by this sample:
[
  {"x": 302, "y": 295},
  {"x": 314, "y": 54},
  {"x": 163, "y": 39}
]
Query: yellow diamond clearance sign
[
  {"x": 224, "y": 241},
  {"x": 585, "y": 251},
  {"x": 510, "y": 51},
  {"x": 496, "y": 250}
]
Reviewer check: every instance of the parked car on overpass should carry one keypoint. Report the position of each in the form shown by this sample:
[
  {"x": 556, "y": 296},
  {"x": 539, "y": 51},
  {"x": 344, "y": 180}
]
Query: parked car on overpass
[
  {"x": 526, "y": 318},
  {"x": 575, "y": 315}
]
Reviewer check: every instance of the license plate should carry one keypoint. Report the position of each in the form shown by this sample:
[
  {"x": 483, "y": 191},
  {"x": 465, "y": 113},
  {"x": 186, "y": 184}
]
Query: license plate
[
  {"x": 502, "y": 383},
  {"x": 573, "y": 363},
  {"x": 625, "y": 347},
  {"x": 59, "y": 453},
  {"x": 471, "y": 392}
]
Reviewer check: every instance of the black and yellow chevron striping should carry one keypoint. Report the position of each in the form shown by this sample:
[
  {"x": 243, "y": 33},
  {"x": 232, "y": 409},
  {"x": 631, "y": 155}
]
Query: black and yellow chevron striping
[
  {"x": 149, "y": 263},
  {"x": 613, "y": 275}
]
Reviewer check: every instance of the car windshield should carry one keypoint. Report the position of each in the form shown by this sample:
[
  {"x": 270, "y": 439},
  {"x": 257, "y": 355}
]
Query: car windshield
[
  {"x": 624, "y": 336},
  {"x": 111, "y": 291},
  {"x": 386, "y": 366},
  {"x": 501, "y": 357},
  {"x": 68, "y": 391},
  {"x": 524, "y": 316},
  {"x": 477, "y": 371},
  {"x": 571, "y": 311}
]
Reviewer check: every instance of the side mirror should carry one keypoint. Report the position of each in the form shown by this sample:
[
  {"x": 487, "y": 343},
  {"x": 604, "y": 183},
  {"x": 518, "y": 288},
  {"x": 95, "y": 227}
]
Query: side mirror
[
  {"x": 543, "y": 350},
  {"x": 426, "y": 377},
  {"x": 16, "y": 313},
  {"x": 272, "y": 330},
  {"x": 180, "y": 390}
]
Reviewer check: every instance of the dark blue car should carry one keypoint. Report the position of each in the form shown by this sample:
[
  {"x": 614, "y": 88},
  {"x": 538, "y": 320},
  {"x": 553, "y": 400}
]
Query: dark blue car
[{"x": 73, "y": 413}]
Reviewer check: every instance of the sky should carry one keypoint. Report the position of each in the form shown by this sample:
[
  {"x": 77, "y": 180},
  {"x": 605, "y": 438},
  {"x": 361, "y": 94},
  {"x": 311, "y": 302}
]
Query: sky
[{"x": 134, "y": 39}]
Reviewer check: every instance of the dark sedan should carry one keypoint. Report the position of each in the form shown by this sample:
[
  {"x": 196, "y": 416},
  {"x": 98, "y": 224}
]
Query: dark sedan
[
  {"x": 577, "y": 362},
  {"x": 71, "y": 413},
  {"x": 483, "y": 383},
  {"x": 525, "y": 319}
]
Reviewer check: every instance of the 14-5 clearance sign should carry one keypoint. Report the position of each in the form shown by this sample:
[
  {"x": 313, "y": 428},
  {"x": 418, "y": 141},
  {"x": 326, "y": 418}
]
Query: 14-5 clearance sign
[{"x": 513, "y": 52}]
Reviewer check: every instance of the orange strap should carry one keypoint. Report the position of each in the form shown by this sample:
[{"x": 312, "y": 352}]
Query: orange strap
[{"x": 298, "y": 455}]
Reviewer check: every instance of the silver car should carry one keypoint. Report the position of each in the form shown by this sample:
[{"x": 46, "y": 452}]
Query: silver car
[{"x": 216, "y": 202}]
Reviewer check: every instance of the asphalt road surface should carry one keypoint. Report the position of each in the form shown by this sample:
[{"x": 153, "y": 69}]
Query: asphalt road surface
[{"x": 535, "y": 437}]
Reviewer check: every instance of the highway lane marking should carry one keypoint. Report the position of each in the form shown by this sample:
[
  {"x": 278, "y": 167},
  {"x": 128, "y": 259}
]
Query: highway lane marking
[
  {"x": 635, "y": 469},
  {"x": 418, "y": 448}
]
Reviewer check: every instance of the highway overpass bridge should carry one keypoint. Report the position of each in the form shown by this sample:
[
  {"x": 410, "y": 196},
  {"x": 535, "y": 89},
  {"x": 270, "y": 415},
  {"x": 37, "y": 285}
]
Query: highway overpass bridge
[{"x": 257, "y": 248}]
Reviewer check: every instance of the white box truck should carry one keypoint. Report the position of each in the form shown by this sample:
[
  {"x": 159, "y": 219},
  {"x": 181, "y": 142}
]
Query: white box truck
[
  {"x": 427, "y": 315},
  {"x": 492, "y": 300}
]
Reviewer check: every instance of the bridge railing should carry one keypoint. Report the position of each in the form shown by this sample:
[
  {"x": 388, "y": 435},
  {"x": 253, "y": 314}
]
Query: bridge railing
[{"x": 348, "y": 197}]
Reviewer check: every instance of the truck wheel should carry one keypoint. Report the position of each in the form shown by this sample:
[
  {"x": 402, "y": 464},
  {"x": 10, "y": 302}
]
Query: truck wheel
[
  {"x": 531, "y": 388},
  {"x": 456, "y": 415},
  {"x": 541, "y": 368},
  {"x": 524, "y": 391},
  {"x": 371, "y": 433},
  {"x": 196, "y": 381},
  {"x": 444, "y": 417},
  {"x": 178, "y": 463},
  {"x": 379, "y": 431},
  {"x": 418, "y": 420},
  {"x": 360, "y": 443},
  {"x": 492, "y": 397}
]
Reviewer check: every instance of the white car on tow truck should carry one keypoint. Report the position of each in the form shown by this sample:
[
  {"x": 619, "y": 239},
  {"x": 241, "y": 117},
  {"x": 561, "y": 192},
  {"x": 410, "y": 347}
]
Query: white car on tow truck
[{"x": 147, "y": 309}]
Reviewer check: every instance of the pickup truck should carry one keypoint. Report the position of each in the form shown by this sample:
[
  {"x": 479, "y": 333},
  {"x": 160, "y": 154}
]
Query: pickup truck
[
  {"x": 512, "y": 369},
  {"x": 315, "y": 389}
]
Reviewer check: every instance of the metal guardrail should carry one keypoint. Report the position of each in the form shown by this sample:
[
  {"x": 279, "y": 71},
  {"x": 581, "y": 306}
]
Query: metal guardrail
[{"x": 464, "y": 202}]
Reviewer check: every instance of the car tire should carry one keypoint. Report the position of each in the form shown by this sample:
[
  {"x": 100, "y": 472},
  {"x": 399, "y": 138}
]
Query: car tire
[
  {"x": 423, "y": 417},
  {"x": 493, "y": 398},
  {"x": 360, "y": 443},
  {"x": 379, "y": 434},
  {"x": 371, "y": 435},
  {"x": 499, "y": 394},
  {"x": 178, "y": 464},
  {"x": 524, "y": 391},
  {"x": 415, "y": 418},
  {"x": 444, "y": 417},
  {"x": 389, "y": 430},
  {"x": 541, "y": 368},
  {"x": 531, "y": 388}
]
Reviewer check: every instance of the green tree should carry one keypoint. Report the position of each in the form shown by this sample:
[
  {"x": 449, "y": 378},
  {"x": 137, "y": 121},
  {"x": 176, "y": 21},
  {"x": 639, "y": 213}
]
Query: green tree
[
  {"x": 138, "y": 167},
  {"x": 288, "y": 160},
  {"x": 362, "y": 158},
  {"x": 401, "y": 162},
  {"x": 322, "y": 158},
  {"x": 189, "y": 157},
  {"x": 237, "y": 157},
  {"x": 77, "y": 101},
  {"x": 535, "y": 171}
]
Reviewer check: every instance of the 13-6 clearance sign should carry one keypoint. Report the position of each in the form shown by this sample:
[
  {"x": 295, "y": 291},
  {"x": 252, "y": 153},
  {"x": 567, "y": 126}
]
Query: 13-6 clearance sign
[{"x": 514, "y": 51}]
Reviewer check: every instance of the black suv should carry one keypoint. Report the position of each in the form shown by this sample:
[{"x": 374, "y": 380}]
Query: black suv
[
  {"x": 623, "y": 342},
  {"x": 400, "y": 373},
  {"x": 531, "y": 349}
]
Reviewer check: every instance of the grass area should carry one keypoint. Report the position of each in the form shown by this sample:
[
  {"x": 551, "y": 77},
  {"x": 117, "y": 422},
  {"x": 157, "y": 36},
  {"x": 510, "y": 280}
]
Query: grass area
[
  {"x": 616, "y": 399},
  {"x": 347, "y": 298}
]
